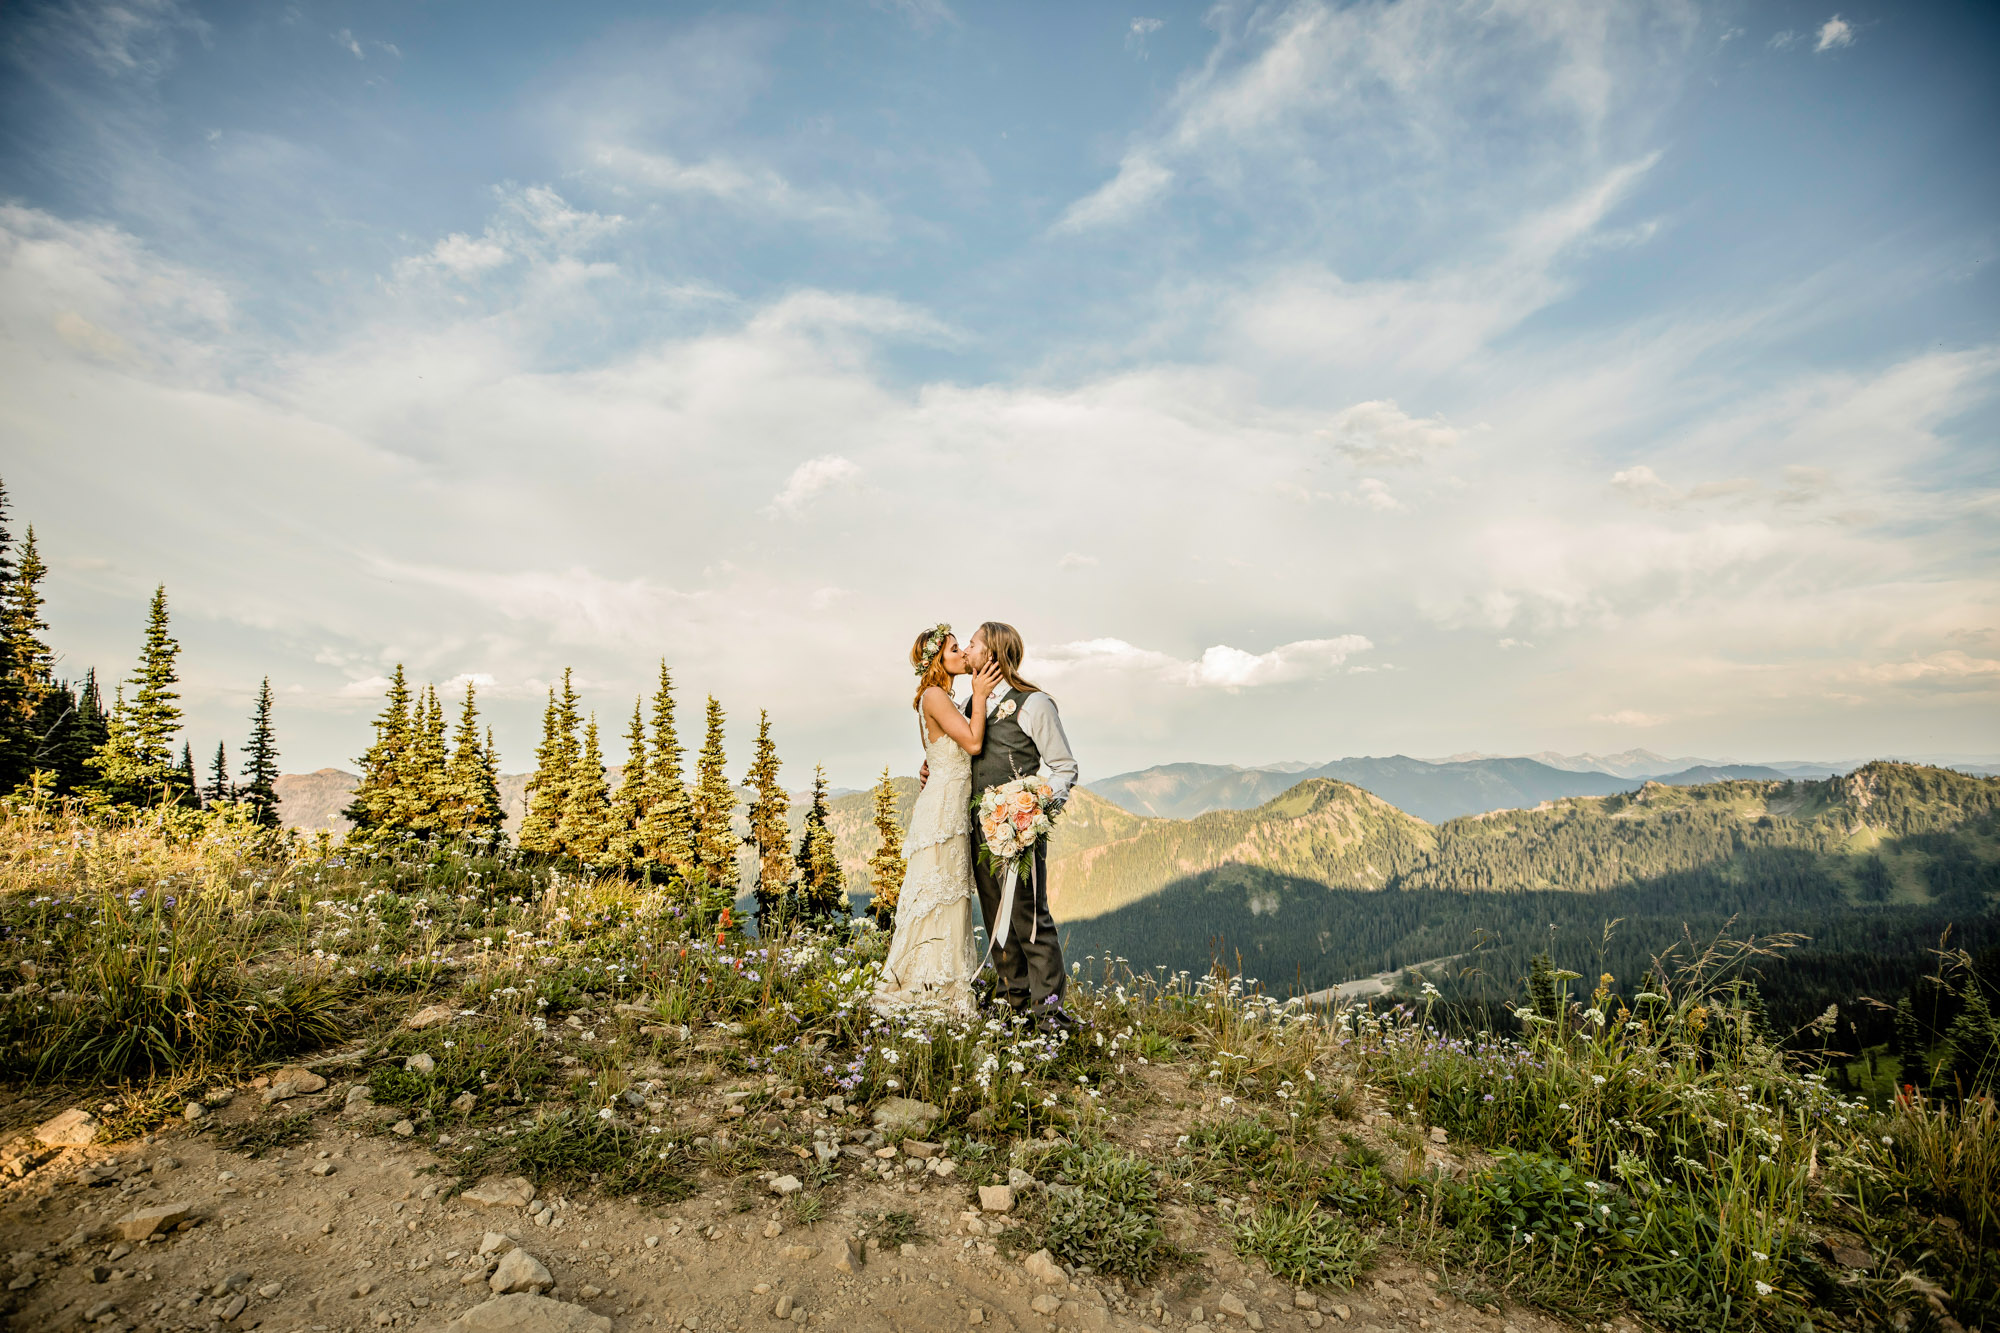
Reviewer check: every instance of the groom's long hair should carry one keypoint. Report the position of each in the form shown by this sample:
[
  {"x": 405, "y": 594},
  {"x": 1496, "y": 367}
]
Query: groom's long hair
[{"x": 1004, "y": 642}]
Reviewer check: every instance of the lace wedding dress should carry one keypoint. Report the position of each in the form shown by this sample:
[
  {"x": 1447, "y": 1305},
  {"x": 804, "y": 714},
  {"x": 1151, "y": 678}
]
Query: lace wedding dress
[{"x": 933, "y": 956}]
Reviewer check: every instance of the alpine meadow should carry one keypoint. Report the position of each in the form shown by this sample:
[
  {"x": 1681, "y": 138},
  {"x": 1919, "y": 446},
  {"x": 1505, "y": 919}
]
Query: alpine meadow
[{"x": 901, "y": 666}]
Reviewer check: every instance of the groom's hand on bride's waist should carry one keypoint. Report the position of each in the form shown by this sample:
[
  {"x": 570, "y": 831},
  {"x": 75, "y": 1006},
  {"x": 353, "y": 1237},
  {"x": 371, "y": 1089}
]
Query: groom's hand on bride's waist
[{"x": 924, "y": 775}]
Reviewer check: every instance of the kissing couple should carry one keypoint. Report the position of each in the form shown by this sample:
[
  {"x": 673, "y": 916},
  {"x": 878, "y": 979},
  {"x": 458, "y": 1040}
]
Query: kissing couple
[{"x": 1008, "y": 730}]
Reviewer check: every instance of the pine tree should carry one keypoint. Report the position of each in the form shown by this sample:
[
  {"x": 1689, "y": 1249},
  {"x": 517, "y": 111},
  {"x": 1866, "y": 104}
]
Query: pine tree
[
  {"x": 1542, "y": 987},
  {"x": 423, "y": 791},
  {"x": 555, "y": 763},
  {"x": 769, "y": 836},
  {"x": 623, "y": 848},
  {"x": 822, "y": 888},
  {"x": 377, "y": 802},
  {"x": 493, "y": 811},
  {"x": 472, "y": 800},
  {"x": 187, "y": 790},
  {"x": 711, "y": 807},
  {"x": 666, "y": 830},
  {"x": 260, "y": 768},
  {"x": 1910, "y": 1047},
  {"x": 885, "y": 868},
  {"x": 71, "y": 725},
  {"x": 1971, "y": 1057},
  {"x": 14, "y": 742},
  {"x": 587, "y": 809},
  {"x": 136, "y": 763},
  {"x": 25, "y": 656},
  {"x": 218, "y": 775}
]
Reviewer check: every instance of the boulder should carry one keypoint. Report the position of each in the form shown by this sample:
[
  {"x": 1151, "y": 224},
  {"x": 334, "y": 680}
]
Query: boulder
[
  {"x": 495, "y": 1192},
  {"x": 430, "y": 1016},
  {"x": 143, "y": 1222},
  {"x": 519, "y": 1271},
  {"x": 71, "y": 1129},
  {"x": 524, "y": 1313},
  {"x": 996, "y": 1198},
  {"x": 900, "y": 1117}
]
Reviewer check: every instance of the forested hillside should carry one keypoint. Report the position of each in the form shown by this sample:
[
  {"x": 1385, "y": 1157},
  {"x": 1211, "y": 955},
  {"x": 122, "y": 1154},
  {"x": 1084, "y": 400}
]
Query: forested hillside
[{"x": 1873, "y": 867}]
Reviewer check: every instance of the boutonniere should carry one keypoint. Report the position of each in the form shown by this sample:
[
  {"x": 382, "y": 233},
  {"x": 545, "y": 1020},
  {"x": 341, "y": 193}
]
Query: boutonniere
[{"x": 1006, "y": 709}]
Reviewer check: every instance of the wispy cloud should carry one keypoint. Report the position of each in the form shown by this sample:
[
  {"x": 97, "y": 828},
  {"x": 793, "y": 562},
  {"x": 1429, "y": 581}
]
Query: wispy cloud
[
  {"x": 810, "y": 480},
  {"x": 1834, "y": 33},
  {"x": 753, "y": 188},
  {"x": 1220, "y": 667},
  {"x": 1381, "y": 434}
]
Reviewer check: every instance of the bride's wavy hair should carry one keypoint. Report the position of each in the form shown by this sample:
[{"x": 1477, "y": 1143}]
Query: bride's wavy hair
[
  {"x": 935, "y": 673},
  {"x": 1004, "y": 642}
]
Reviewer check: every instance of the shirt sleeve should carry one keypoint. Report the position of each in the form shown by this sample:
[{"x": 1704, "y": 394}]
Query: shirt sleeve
[{"x": 1044, "y": 727}]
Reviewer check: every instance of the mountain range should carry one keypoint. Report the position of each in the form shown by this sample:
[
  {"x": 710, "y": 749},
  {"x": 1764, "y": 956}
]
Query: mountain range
[{"x": 1431, "y": 789}]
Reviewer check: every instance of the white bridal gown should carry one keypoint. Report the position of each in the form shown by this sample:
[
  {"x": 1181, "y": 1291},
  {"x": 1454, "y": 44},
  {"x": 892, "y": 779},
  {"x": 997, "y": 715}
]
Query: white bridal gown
[{"x": 933, "y": 956}]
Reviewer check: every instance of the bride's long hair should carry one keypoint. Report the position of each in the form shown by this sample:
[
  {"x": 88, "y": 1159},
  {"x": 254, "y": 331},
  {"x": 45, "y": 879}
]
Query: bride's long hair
[{"x": 935, "y": 673}]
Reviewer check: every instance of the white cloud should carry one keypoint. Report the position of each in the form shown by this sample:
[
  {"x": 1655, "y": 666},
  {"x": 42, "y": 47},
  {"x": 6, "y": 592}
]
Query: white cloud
[
  {"x": 1373, "y": 493},
  {"x": 808, "y": 481},
  {"x": 346, "y": 41},
  {"x": 1140, "y": 180},
  {"x": 1835, "y": 32},
  {"x": 1381, "y": 434},
  {"x": 1952, "y": 669},
  {"x": 1629, "y": 717},
  {"x": 753, "y": 188},
  {"x": 924, "y": 15},
  {"x": 1138, "y": 31},
  {"x": 1220, "y": 667}
]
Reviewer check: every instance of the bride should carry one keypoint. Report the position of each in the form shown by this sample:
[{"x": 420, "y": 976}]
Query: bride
[{"x": 932, "y": 955}]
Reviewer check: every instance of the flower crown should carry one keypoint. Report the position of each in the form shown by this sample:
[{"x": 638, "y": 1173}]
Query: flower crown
[{"x": 931, "y": 647}]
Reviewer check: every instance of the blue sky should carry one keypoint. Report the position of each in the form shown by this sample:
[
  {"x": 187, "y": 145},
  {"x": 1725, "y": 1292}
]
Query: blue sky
[{"x": 1303, "y": 379}]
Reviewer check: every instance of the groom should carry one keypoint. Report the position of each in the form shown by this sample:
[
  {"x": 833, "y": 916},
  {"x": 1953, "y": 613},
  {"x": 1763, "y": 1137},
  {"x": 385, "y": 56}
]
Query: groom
[{"x": 1023, "y": 734}]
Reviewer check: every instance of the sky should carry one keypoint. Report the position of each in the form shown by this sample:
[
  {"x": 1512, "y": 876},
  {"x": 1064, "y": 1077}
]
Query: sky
[{"x": 1302, "y": 379}]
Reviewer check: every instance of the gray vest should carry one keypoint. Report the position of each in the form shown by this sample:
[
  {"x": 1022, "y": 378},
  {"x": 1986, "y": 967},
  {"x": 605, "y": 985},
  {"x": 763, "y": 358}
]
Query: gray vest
[{"x": 1008, "y": 753}]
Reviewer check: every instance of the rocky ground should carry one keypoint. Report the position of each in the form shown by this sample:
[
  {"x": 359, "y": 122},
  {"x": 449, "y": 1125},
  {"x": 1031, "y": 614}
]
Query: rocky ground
[{"x": 364, "y": 1225}]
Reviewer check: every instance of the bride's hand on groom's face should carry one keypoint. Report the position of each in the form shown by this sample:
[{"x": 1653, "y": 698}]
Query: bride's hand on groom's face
[{"x": 986, "y": 679}]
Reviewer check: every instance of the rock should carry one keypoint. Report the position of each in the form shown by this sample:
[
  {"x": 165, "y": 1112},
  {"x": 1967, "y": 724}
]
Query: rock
[
  {"x": 918, "y": 1148},
  {"x": 429, "y": 1017},
  {"x": 1304, "y": 1300},
  {"x": 1852, "y": 1256},
  {"x": 402, "y": 1129},
  {"x": 271, "y": 1290},
  {"x": 784, "y": 1185},
  {"x": 421, "y": 1063},
  {"x": 463, "y": 1103},
  {"x": 773, "y": 1229},
  {"x": 522, "y": 1313},
  {"x": 996, "y": 1198},
  {"x": 1342, "y": 1312},
  {"x": 496, "y": 1192},
  {"x": 143, "y": 1222},
  {"x": 232, "y": 1307},
  {"x": 360, "y": 1100},
  {"x": 322, "y": 1168},
  {"x": 1045, "y": 1304},
  {"x": 71, "y": 1129},
  {"x": 194, "y": 1111},
  {"x": 975, "y": 1316},
  {"x": 99, "y": 1310},
  {"x": 896, "y": 1117},
  {"x": 1437, "y": 1134},
  {"x": 494, "y": 1242},
  {"x": 798, "y": 1254},
  {"x": 1042, "y": 1267},
  {"x": 783, "y": 1309},
  {"x": 1230, "y": 1303},
  {"x": 293, "y": 1081},
  {"x": 1019, "y": 1179},
  {"x": 846, "y": 1258},
  {"x": 519, "y": 1271}
]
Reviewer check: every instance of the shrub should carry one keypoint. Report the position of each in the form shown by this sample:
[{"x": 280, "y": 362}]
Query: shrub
[
  {"x": 1304, "y": 1245},
  {"x": 1102, "y": 1212}
]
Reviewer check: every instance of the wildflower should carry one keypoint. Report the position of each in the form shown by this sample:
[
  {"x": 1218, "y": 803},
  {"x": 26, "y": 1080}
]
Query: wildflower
[{"x": 1763, "y": 1289}]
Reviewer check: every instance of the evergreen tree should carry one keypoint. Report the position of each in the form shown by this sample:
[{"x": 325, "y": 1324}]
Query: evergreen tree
[
  {"x": 628, "y": 805},
  {"x": 187, "y": 790},
  {"x": 24, "y": 655},
  {"x": 14, "y": 742},
  {"x": 586, "y": 811},
  {"x": 885, "y": 868},
  {"x": 769, "y": 838},
  {"x": 711, "y": 807},
  {"x": 666, "y": 830},
  {"x": 218, "y": 775},
  {"x": 1971, "y": 1056},
  {"x": 423, "y": 792},
  {"x": 494, "y": 811},
  {"x": 1542, "y": 987},
  {"x": 377, "y": 803},
  {"x": 260, "y": 768},
  {"x": 822, "y": 888},
  {"x": 472, "y": 799},
  {"x": 1910, "y": 1047},
  {"x": 136, "y": 762},
  {"x": 555, "y": 765},
  {"x": 72, "y": 727}
]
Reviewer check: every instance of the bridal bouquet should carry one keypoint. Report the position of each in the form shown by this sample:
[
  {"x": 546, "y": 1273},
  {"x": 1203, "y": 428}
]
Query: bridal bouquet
[{"x": 1015, "y": 815}]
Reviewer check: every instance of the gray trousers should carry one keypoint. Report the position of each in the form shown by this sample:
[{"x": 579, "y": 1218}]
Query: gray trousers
[{"x": 1028, "y": 971}]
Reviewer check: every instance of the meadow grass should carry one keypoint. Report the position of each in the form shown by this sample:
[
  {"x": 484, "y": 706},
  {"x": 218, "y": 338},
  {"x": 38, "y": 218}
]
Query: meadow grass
[{"x": 1652, "y": 1151}]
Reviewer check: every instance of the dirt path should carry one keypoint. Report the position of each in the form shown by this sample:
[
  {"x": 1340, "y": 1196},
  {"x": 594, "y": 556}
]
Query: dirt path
[{"x": 353, "y": 1231}]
